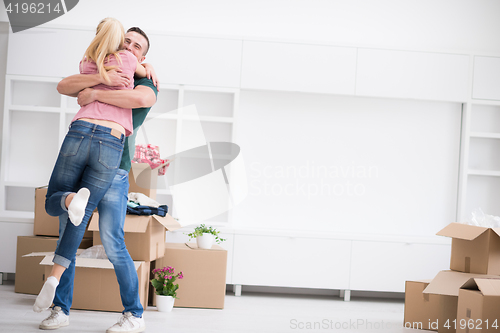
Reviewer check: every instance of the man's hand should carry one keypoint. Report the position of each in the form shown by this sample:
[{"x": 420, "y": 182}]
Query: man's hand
[
  {"x": 117, "y": 78},
  {"x": 151, "y": 74},
  {"x": 86, "y": 96}
]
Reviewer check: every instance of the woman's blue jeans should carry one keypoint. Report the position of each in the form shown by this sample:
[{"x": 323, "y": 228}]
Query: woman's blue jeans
[
  {"x": 112, "y": 210},
  {"x": 89, "y": 157}
]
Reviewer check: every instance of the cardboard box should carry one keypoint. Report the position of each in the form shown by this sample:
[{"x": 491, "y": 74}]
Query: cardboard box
[
  {"x": 144, "y": 235},
  {"x": 30, "y": 276},
  {"x": 479, "y": 306},
  {"x": 473, "y": 249},
  {"x": 142, "y": 179},
  {"x": 204, "y": 282},
  {"x": 44, "y": 224},
  {"x": 447, "y": 285},
  {"x": 421, "y": 310},
  {"x": 96, "y": 287}
]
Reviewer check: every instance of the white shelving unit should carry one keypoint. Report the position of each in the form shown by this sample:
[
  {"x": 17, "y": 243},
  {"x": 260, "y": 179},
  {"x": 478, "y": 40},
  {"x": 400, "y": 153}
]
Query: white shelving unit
[
  {"x": 32, "y": 133},
  {"x": 167, "y": 120},
  {"x": 481, "y": 161},
  {"x": 37, "y": 118}
]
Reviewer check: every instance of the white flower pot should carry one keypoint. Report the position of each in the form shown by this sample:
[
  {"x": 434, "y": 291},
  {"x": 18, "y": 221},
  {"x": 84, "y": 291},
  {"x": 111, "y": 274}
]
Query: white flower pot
[
  {"x": 164, "y": 303},
  {"x": 205, "y": 241}
]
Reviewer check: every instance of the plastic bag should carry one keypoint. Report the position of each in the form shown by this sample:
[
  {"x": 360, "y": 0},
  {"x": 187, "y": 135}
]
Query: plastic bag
[
  {"x": 94, "y": 252},
  {"x": 480, "y": 219},
  {"x": 143, "y": 199}
]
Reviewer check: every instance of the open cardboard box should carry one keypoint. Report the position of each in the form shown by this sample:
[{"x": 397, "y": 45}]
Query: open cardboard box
[
  {"x": 95, "y": 286},
  {"x": 204, "y": 282},
  {"x": 143, "y": 179},
  {"x": 479, "y": 306},
  {"x": 144, "y": 235},
  {"x": 30, "y": 276},
  {"x": 473, "y": 249},
  {"x": 447, "y": 285}
]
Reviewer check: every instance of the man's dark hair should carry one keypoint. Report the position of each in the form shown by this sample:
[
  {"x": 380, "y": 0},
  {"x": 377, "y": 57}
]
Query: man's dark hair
[{"x": 142, "y": 33}]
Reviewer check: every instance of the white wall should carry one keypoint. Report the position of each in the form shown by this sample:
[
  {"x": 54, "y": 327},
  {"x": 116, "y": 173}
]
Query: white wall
[
  {"x": 3, "y": 15},
  {"x": 8, "y": 243},
  {"x": 465, "y": 26},
  {"x": 348, "y": 164},
  {"x": 4, "y": 39}
]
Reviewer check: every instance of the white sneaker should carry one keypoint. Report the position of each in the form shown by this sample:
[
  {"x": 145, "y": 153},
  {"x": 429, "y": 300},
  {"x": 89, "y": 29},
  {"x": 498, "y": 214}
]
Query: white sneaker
[
  {"x": 128, "y": 323},
  {"x": 56, "y": 319}
]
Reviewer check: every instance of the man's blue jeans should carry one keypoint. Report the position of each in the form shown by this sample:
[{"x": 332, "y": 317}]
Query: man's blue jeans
[
  {"x": 89, "y": 157},
  {"x": 112, "y": 210}
]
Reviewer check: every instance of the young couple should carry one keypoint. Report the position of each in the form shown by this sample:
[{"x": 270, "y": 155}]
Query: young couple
[{"x": 92, "y": 168}]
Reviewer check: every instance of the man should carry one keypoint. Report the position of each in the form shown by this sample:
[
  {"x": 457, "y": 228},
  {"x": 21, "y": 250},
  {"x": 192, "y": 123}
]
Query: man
[{"x": 112, "y": 208}]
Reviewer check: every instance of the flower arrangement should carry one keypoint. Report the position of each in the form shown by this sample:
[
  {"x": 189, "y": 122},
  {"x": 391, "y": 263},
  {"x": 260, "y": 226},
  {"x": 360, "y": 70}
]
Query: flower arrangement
[
  {"x": 202, "y": 229},
  {"x": 164, "y": 281}
]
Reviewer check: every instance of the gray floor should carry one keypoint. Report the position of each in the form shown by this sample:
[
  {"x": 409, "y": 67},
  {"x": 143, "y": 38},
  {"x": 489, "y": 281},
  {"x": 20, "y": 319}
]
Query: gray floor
[{"x": 251, "y": 312}]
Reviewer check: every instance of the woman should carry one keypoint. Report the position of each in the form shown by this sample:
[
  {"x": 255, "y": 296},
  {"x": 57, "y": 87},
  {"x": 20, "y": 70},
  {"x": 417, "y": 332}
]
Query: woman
[{"x": 91, "y": 152}]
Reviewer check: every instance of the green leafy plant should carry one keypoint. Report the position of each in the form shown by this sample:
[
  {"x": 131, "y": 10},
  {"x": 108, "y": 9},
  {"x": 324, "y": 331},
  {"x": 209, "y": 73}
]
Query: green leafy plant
[
  {"x": 202, "y": 229},
  {"x": 164, "y": 281}
]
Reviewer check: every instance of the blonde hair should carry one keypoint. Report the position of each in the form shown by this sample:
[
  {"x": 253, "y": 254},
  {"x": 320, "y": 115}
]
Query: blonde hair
[{"x": 108, "y": 40}]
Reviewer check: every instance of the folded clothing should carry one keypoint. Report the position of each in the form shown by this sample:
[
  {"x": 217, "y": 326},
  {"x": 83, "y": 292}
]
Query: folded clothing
[
  {"x": 148, "y": 210},
  {"x": 132, "y": 204}
]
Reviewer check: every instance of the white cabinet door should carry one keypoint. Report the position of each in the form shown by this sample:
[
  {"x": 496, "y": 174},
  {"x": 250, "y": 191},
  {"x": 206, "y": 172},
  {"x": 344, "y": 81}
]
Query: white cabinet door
[
  {"x": 228, "y": 245},
  {"x": 298, "y": 67},
  {"x": 385, "y": 266},
  {"x": 291, "y": 262},
  {"x": 486, "y": 82},
  {"x": 196, "y": 61},
  {"x": 419, "y": 75},
  {"x": 47, "y": 52},
  {"x": 8, "y": 243}
]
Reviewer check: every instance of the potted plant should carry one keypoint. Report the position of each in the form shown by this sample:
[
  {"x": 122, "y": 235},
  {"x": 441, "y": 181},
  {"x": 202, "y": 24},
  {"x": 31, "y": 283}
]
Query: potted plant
[
  {"x": 165, "y": 287},
  {"x": 205, "y": 236}
]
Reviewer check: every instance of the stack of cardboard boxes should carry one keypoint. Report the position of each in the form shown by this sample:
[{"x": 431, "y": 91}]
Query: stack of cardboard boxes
[
  {"x": 465, "y": 298},
  {"x": 95, "y": 287},
  {"x": 30, "y": 276}
]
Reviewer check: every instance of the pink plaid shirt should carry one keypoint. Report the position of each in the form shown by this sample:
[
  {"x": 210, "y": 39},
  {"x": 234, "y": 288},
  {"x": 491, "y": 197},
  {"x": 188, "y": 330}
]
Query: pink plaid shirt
[{"x": 103, "y": 111}]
